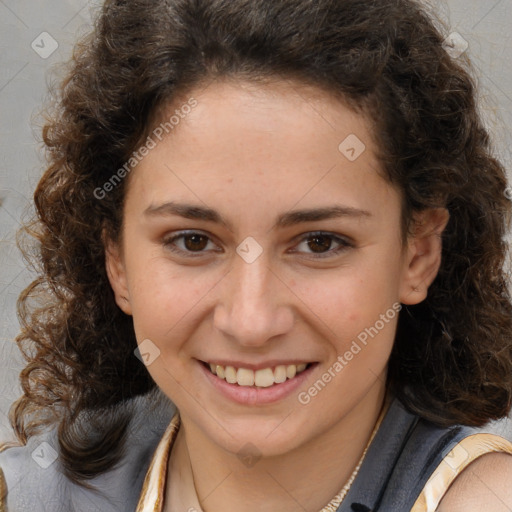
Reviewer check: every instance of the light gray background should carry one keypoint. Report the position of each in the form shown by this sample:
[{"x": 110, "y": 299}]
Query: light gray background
[{"x": 24, "y": 75}]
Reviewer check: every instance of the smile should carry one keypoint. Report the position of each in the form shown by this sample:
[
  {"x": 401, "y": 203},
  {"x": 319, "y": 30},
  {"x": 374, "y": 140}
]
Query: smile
[{"x": 262, "y": 378}]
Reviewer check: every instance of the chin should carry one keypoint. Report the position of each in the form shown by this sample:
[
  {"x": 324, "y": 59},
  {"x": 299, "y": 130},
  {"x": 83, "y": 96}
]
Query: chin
[{"x": 263, "y": 437}]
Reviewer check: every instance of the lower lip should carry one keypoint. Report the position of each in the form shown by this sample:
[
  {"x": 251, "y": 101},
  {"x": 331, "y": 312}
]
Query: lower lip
[{"x": 250, "y": 395}]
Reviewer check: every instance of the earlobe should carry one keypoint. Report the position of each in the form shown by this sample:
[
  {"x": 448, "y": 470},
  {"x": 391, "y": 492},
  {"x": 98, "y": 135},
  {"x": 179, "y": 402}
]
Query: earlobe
[
  {"x": 117, "y": 276},
  {"x": 423, "y": 257}
]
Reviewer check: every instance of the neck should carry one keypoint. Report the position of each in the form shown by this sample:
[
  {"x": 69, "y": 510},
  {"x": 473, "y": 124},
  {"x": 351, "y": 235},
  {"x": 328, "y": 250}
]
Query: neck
[{"x": 205, "y": 477}]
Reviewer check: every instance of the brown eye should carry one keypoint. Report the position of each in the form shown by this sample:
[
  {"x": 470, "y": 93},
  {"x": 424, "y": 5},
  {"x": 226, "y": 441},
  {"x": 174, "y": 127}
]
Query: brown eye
[
  {"x": 319, "y": 243},
  {"x": 323, "y": 245},
  {"x": 195, "y": 242},
  {"x": 189, "y": 244}
]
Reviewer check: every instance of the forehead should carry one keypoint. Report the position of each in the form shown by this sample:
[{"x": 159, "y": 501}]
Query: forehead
[
  {"x": 279, "y": 141},
  {"x": 267, "y": 106}
]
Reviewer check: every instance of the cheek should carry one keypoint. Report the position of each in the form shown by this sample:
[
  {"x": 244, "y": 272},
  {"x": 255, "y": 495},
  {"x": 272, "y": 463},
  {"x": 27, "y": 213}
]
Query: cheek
[
  {"x": 353, "y": 309},
  {"x": 350, "y": 297},
  {"x": 163, "y": 296}
]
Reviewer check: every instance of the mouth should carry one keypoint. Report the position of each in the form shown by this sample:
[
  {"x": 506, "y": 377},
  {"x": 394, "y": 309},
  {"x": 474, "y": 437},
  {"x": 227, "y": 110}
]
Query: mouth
[{"x": 261, "y": 378}]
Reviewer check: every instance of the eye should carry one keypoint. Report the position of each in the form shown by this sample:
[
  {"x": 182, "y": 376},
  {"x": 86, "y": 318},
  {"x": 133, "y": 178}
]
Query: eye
[
  {"x": 321, "y": 244},
  {"x": 188, "y": 243}
]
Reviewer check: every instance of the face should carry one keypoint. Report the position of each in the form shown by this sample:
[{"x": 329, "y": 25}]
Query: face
[{"x": 260, "y": 240}]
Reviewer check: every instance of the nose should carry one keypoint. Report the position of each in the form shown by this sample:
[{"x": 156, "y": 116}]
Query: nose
[{"x": 254, "y": 304}]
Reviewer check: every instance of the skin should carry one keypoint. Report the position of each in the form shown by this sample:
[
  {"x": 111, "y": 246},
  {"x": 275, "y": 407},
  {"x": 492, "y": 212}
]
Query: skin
[
  {"x": 483, "y": 485},
  {"x": 252, "y": 153}
]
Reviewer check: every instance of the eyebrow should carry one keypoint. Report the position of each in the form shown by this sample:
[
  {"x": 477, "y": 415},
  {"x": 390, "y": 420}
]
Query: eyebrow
[{"x": 287, "y": 219}]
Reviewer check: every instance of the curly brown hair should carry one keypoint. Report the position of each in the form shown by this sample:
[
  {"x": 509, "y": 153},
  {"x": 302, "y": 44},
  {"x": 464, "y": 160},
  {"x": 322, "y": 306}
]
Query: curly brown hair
[{"x": 452, "y": 358}]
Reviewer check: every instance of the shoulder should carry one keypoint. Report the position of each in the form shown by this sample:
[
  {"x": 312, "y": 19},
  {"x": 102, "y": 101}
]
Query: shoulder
[
  {"x": 26, "y": 478},
  {"x": 434, "y": 459},
  {"x": 465, "y": 480},
  {"x": 483, "y": 485},
  {"x": 3, "y": 491},
  {"x": 35, "y": 479}
]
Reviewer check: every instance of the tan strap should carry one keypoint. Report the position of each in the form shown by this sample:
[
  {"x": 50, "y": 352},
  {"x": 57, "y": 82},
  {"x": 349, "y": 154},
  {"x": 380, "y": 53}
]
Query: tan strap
[
  {"x": 3, "y": 492},
  {"x": 458, "y": 459},
  {"x": 153, "y": 489},
  {"x": 3, "y": 484}
]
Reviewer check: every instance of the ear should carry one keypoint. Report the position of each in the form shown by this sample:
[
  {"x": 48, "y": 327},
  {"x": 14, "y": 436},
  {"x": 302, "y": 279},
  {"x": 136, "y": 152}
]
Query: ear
[
  {"x": 116, "y": 273},
  {"x": 423, "y": 254}
]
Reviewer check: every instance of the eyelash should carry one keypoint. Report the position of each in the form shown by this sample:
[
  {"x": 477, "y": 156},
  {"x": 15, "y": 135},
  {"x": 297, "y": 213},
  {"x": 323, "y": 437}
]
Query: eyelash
[{"x": 344, "y": 244}]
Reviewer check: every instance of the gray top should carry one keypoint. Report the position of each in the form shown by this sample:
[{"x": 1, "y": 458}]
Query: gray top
[
  {"x": 403, "y": 455},
  {"x": 35, "y": 482}
]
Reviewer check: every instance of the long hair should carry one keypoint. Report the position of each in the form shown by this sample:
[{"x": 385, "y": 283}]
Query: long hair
[{"x": 452, "y": 358}]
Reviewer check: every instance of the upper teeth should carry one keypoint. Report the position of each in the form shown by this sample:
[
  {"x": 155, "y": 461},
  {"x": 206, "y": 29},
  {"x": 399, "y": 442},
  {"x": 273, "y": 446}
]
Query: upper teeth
[{"x": 261, "y": 378}]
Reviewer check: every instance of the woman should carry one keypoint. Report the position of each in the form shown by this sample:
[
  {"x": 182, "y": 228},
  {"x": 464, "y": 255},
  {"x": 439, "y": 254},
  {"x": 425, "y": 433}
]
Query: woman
[{"x": 291, "y": 208}]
